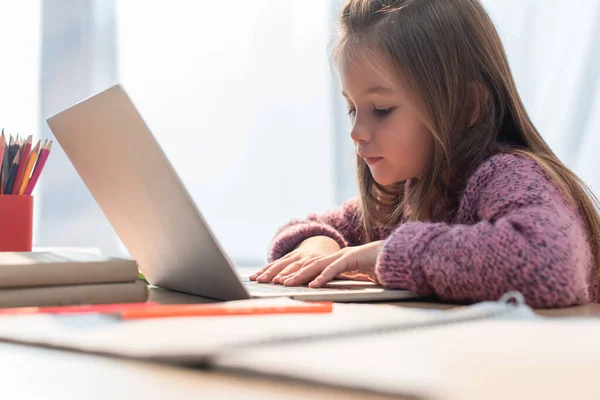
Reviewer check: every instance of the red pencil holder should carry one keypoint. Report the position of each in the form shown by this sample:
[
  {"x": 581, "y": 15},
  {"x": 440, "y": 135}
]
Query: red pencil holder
[{"x": 16, "y": 223}]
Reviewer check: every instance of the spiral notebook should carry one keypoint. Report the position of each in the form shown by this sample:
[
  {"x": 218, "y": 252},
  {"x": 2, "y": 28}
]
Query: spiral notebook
[
  {"x": 176, "y": 340},
  {"x": 278, "y": 345},
  {"x": 491, "y": 350},
  {"x": 491, "y": 353},
  {"x": 376, "y": 348}
]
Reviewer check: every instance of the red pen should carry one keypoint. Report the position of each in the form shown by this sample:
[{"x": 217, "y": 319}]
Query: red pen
[{"x": 221, "y": 310}]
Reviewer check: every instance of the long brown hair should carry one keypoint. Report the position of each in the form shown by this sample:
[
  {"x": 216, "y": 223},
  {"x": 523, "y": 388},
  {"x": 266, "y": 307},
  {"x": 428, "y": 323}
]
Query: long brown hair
[{"x": 447, "y": 50}]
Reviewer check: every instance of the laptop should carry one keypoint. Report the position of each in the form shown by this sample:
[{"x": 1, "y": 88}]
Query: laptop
[{"x": 149, "y": 208}]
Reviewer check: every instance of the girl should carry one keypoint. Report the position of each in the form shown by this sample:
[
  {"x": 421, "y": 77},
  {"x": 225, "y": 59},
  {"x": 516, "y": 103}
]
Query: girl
[{"x": 460, "y": 197}]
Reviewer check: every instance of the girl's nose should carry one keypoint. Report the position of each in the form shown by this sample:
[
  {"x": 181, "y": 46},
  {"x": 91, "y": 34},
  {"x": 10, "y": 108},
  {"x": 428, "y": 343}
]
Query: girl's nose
[{"x": 360, "y": 133}]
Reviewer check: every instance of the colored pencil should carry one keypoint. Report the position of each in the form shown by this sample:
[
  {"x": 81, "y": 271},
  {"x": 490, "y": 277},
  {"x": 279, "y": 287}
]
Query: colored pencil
[
  {"x": 39, "y": 166},
  {"x": 33, "y": 156},
  {"x": 2, "y": 151},
  {"x": 11, "y": 158},
  {"x": 13, "y": 147},
  {"x": 21, "y": 171},
  {"x": 9, "y": 155},
  {"x": 7, "y": 160},
  {"x": 20, "y": 165},
  {"x": 2, "y": 147},
  {"x": 10, "y": 180}
]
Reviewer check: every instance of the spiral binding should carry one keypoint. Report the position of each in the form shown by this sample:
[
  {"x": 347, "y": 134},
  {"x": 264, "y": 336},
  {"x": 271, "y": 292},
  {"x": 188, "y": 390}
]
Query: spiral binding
[{"x": 512, "y": 299}]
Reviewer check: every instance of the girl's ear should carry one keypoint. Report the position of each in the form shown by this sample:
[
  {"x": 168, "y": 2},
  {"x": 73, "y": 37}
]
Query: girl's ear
[{"x": 475, "y": 96}]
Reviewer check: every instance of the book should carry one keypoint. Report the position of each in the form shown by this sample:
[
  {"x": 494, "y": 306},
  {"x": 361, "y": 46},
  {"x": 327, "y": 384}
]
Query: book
[
  {"x": 50, "y": 296},
  {"x": 19, "y": 270}
]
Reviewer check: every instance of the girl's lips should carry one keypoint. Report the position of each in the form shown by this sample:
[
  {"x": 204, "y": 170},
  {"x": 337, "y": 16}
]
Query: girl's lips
[{"x": 372, "y": 160}]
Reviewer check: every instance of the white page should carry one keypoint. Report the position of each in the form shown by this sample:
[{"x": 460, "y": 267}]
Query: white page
[{"x": 474, "y": 360}]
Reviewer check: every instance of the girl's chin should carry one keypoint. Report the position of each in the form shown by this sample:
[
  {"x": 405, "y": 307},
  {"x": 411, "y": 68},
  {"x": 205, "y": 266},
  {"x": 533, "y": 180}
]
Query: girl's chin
[{"x": 385, "y": 180}]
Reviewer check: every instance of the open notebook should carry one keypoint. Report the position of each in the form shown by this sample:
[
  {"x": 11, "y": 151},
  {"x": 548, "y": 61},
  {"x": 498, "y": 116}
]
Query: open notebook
[
  {"x": 199, "y": 340},
  {"x": 371, "y": 347},
  {"x": 513, "y": 355}
]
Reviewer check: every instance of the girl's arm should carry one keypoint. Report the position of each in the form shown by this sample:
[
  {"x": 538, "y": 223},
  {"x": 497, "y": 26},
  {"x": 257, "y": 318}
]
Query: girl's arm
[
  {"x": 342, "y": 225},
  {"x": 528, "y": 238}
]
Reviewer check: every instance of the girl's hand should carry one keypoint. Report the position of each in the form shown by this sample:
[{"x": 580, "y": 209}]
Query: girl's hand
[
  {"x": 350, "y": 262},
  {"x": 309, "y": 250}
]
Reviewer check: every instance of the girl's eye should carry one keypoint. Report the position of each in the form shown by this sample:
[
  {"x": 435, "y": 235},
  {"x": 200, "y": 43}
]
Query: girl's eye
[
  {"x": 382, "y": 112},
  {"x": 351, "y": 111}
]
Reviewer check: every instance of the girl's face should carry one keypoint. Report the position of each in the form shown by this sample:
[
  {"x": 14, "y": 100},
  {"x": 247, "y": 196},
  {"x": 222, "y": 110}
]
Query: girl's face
[{"x": 386, "y": 129}]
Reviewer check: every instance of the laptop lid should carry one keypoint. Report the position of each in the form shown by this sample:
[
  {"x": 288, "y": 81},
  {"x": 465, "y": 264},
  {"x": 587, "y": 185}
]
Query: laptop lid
[{"x": 129, "y": 176}]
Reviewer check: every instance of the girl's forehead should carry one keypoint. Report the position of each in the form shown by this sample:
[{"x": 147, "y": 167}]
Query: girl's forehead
[{"x": 374, "y": 71}]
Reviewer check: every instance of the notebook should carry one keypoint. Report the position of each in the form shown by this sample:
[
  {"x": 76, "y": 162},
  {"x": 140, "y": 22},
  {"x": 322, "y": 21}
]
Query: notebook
[
  {"x": 501, "y": 358},
  {"x": 63, "y": 268},
  {"x": 463, "y": 353},
  {"x": 177, "y": 340}
]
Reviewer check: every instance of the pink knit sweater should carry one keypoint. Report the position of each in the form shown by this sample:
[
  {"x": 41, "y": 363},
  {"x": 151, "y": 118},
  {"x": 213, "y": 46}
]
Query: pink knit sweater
[{"x": 513, "y": 230}]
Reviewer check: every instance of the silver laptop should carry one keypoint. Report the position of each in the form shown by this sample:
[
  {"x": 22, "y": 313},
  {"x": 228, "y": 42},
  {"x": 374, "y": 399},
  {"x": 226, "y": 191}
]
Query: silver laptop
[{"x": 144, "y": 200}]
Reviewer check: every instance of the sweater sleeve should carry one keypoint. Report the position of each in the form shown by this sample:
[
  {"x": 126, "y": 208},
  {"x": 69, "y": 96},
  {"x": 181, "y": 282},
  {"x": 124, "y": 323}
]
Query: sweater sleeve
[
  {"x": 527, "y": 238},
  {"x": 341, "y": 224}
]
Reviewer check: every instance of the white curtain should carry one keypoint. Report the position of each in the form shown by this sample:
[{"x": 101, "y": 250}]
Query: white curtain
[
  {"x": 77, "y": 60},
  {"x": 553, "y": 47},
  {"x": 20, "y": 26},
  {"x": 238, "y": 95},
  {"x": 19, "y": 68}
]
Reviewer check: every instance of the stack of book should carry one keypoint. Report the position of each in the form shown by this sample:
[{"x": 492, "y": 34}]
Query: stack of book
[{"x": 58, "y": 278}]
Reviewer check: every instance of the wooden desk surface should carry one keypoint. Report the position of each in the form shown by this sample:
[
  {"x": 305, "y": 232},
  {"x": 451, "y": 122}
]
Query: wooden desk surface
[
  {"x": 588, "y": 310},
  {"x": 34, "y": 373}
]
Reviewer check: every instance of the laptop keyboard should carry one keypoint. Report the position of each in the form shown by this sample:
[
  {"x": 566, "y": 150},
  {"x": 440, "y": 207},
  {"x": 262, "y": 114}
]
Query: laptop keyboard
[{"x": 254, "y": 286}]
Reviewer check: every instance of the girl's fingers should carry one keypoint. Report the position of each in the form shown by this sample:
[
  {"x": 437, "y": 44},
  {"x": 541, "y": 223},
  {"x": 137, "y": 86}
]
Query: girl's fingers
[
  {"x": 305, "y": 274},
  {"x": 265, "y": 268},
  {"x": 261, "y": 271},
  {"x": 311, "y": 271},
  {"x": 293, "y": 268},
  {"x": 330, "y": 272},
  {"x": 270, "y": 273}
]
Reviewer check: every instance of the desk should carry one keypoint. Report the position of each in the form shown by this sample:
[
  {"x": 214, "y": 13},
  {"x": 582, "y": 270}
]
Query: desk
[
  {"x": 35, "y": 373},
  {"x": 589, "y": 310}
]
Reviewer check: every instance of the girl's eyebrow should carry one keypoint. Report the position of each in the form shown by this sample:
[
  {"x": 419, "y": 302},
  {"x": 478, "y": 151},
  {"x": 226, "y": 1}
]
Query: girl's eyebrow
[
  {"x": 379, "y": 90},
  {"x": 375, "y": 90}
]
